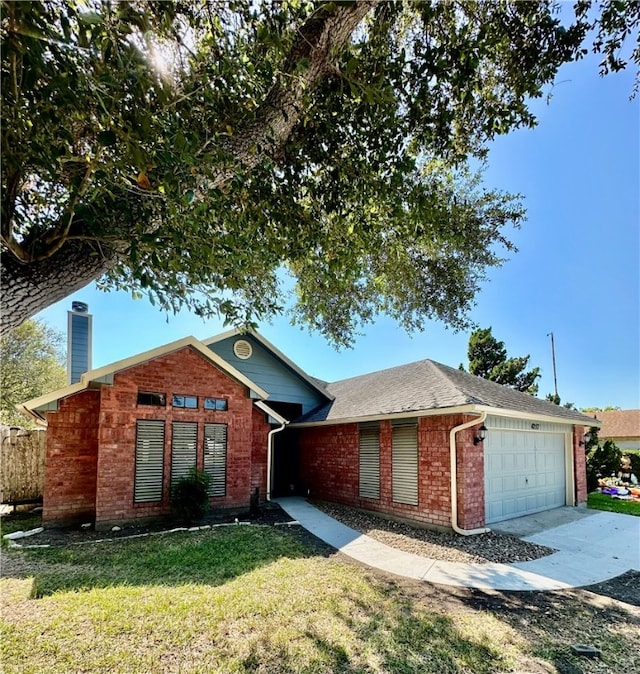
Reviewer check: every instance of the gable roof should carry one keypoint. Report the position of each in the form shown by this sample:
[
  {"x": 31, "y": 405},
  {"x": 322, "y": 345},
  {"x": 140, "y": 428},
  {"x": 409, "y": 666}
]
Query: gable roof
[
  {"x": 425, "y": 386},
  {"x": 104, "y": 375},
  {"x": 619, "y": 424},
  {"x": 315, "y": 383}
]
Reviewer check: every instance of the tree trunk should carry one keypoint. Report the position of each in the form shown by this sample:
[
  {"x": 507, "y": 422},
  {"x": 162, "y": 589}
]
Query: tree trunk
[{"x": 30, "y": 288}]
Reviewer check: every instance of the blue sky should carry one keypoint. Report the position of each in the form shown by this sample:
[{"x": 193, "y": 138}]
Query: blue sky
[{"x": 576, "y": 273}]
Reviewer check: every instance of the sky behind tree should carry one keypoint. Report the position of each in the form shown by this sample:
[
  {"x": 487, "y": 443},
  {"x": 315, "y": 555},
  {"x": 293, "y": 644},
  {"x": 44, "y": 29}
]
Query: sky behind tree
[{"x": 576, "y": 273}]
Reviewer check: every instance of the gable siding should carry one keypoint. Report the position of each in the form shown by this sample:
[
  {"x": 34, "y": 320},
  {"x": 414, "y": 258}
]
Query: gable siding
[{"x": 269, "y": 372}]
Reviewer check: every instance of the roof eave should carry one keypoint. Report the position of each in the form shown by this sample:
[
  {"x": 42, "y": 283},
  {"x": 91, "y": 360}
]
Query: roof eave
[
  {"x": 471, "y": 408},
  {"x": 92, "y": 378}
]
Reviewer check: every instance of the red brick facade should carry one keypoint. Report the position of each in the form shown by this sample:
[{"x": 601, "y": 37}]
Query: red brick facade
[
  {"x": 72, "y": 459},
  {"x": 330, "y": 470},
  {"x": 104, "y": 436},
  {"x": 90, "y": 465},
  {"x": 579, "y": 466}
]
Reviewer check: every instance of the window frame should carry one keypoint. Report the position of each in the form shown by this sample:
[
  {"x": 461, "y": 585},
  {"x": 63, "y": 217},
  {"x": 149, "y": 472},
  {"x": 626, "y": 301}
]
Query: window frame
[{"x": 184, "y": 397}]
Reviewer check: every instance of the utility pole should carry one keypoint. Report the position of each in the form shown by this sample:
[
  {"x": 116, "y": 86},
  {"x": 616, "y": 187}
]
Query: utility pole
[{"x": 553, "y": 357}]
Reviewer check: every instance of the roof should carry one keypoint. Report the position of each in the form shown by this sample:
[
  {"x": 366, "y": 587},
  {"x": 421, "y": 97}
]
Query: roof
[
  {"x": 426, "y": 386},
  {"x": 104, "y": 375},
  {"x": 619, "y": 424}
]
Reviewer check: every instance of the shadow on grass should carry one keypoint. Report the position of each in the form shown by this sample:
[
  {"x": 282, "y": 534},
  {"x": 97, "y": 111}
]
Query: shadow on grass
[{"x": 210, "y": 557}]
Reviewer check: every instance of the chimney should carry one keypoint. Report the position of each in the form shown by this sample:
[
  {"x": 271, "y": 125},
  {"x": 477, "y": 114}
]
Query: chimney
[{"x": 79, "y": 333}]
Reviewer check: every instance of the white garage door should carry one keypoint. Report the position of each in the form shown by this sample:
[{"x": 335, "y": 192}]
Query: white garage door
[{"x": 524, "y": 473}]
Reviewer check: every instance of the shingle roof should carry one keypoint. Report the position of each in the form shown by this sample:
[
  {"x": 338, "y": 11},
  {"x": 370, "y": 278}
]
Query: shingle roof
[
  {"x": 619, "y": 424},
  {"x": 427, "y": 385}
]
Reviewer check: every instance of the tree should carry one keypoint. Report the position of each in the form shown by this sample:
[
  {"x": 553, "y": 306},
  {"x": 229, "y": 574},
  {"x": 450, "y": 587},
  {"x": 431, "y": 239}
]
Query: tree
[
  {"x": 602, "y": 459},
  {"x": 555, "y": 399},
  {"x": 191, "y": 151},
  {"x": 32, "y": 364},
  {"x": 488, "y": 359}
]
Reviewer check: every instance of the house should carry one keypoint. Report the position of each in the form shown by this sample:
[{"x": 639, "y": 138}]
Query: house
[
  {"x": 423, "y": 441},
  {"x": 621, "y": 426}
]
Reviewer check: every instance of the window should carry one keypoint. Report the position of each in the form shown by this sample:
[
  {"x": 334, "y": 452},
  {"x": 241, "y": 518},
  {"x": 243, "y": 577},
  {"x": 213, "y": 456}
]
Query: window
[
  {"x": 369, "y": 461},
  {"x": 149, "y": 398},
  {"x": 183, "y": 448},
  {"x": 189, "y": 402},
  {"x": 149, "y": 472},
  {"x": 404, "y": 463},
  {"x": 215, "y": 457},
  {"x": 219, "y": 404}
]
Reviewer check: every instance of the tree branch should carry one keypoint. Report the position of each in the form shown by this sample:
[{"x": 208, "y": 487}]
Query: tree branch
[{"x": 318, "y": 41}]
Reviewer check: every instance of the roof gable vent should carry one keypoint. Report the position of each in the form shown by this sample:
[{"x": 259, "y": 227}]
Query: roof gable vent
[{"x": 242, "y": 349}]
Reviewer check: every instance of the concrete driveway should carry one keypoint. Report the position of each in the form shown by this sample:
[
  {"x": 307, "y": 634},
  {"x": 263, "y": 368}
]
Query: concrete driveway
[{"x": 592, "y": 547}]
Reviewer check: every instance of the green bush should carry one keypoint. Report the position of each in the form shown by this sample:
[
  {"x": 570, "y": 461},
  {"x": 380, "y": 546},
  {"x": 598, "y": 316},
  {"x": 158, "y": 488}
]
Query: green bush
[
  {"x": 189, "y": 496},
  {"x": 603, "y": 460},
  {"x": 634, "y": 455}
]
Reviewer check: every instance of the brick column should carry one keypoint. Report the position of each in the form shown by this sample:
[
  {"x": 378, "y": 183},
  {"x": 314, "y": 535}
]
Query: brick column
[{"x": 579, "y": 466}]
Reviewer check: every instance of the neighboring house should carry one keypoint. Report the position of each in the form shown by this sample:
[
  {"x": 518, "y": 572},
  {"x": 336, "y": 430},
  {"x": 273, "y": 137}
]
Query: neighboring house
[
  {"x": 405, "y": 441},
  {"x": 621, "y": 426}
]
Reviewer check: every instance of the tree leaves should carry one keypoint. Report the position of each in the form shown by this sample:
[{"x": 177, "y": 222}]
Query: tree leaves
[
  {"x": 488, "y": 359},
  {"x": 261, "y": 149}
]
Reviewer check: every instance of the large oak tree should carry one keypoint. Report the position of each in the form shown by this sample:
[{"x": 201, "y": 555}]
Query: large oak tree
[{"x": 192, "y": 151}]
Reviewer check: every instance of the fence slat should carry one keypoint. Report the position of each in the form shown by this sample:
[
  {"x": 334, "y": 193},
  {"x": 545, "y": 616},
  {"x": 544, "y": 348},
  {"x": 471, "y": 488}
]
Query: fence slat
[{"x": 22, "y": 455}]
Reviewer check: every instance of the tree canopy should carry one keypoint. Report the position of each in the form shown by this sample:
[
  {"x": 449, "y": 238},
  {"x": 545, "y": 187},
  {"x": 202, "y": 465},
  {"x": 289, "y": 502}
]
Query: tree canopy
[
  {"x": 194, "y": 151},
  {"x": 31, "y": 364},
  {"x": 488, "y": 359}
]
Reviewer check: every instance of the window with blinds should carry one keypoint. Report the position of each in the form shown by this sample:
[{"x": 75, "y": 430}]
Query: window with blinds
[
  {"x": 215, "y": 457},
  {"x": 369, "y": 461},
  {"x": 184, "y": 441},
  {"x": 404, "y": 467},
  {"x": 149, "y": 471}
]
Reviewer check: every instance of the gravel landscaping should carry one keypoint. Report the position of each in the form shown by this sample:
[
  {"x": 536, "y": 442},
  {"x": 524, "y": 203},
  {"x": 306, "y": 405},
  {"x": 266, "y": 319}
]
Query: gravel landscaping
[{"x": 448, "y": 547}]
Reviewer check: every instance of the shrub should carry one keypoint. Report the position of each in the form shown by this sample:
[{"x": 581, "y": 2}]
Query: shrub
[
  {"x": 603, "y": 460},
  {"x": 634, "y": 455},
  {"x": 190, "y": 497}
]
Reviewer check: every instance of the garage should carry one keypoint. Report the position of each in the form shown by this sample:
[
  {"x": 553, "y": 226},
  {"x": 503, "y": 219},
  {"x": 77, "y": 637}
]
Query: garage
[{"x": 525, "y": 470}]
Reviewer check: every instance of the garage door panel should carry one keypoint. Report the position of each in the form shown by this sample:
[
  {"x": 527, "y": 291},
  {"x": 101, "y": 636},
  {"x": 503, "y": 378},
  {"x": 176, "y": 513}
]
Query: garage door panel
[{"x": 524, "y": 473}]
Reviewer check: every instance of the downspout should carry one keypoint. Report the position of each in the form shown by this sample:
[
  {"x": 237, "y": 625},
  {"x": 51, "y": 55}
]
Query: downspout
[
  {"x": 270, "y": 455},
  {"x": 454, "y": 476}
]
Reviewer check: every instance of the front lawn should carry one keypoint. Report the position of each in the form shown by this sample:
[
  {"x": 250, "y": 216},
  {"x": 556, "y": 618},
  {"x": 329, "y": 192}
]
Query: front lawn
[
  {"x": 270, "y": 600},
  {"x": 614, "y": 505}
]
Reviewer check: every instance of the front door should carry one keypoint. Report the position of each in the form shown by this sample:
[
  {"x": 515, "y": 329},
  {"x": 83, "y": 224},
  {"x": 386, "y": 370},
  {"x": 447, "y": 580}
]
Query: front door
[{"x": 286, "y": 465}]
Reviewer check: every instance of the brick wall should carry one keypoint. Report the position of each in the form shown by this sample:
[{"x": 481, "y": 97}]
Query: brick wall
[
  {"x": 329, "y": 462},
  {"x": 183, "y": 372},
  {"x": 329, "y": 466},
  {"x": 470, "y": 469},
  {"x": 579, "y": 465},
  {"x": 90, "y": 469},
  {"x": 259, "y": 437},
  {"x": 71, "y": 460}
]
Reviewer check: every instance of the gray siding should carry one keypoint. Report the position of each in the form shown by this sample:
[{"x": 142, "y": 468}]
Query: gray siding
[
  {"x": 269, "y": 372},
  {"x": 78, "y": 346}
]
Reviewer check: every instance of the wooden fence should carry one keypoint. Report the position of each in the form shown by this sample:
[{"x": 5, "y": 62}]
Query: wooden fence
[{"x": 22, "y": 457}]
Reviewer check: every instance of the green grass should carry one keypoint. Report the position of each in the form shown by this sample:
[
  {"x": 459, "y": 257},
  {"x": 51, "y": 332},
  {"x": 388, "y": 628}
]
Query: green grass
[
  {"x": 605, "y": 502},
  {"x": 249, "y": 599},
  {"x": 233, "y": 600}
]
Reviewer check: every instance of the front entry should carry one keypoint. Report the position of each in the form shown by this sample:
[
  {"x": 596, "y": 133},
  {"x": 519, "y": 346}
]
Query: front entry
[{"x": 286, "y": 465}]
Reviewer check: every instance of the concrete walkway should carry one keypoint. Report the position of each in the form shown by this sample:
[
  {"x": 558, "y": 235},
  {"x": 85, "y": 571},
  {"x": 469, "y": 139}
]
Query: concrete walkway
[{"x": 590, "y": 550}]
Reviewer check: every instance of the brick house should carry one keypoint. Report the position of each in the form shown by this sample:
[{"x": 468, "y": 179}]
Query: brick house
[{"x": 422, "y": 442}]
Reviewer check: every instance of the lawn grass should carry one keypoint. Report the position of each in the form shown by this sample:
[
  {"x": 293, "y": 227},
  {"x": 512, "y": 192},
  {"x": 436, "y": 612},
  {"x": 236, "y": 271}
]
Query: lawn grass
[
  {"x": 615, "y": 505},
  {"x": 245, "y": 599}
]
